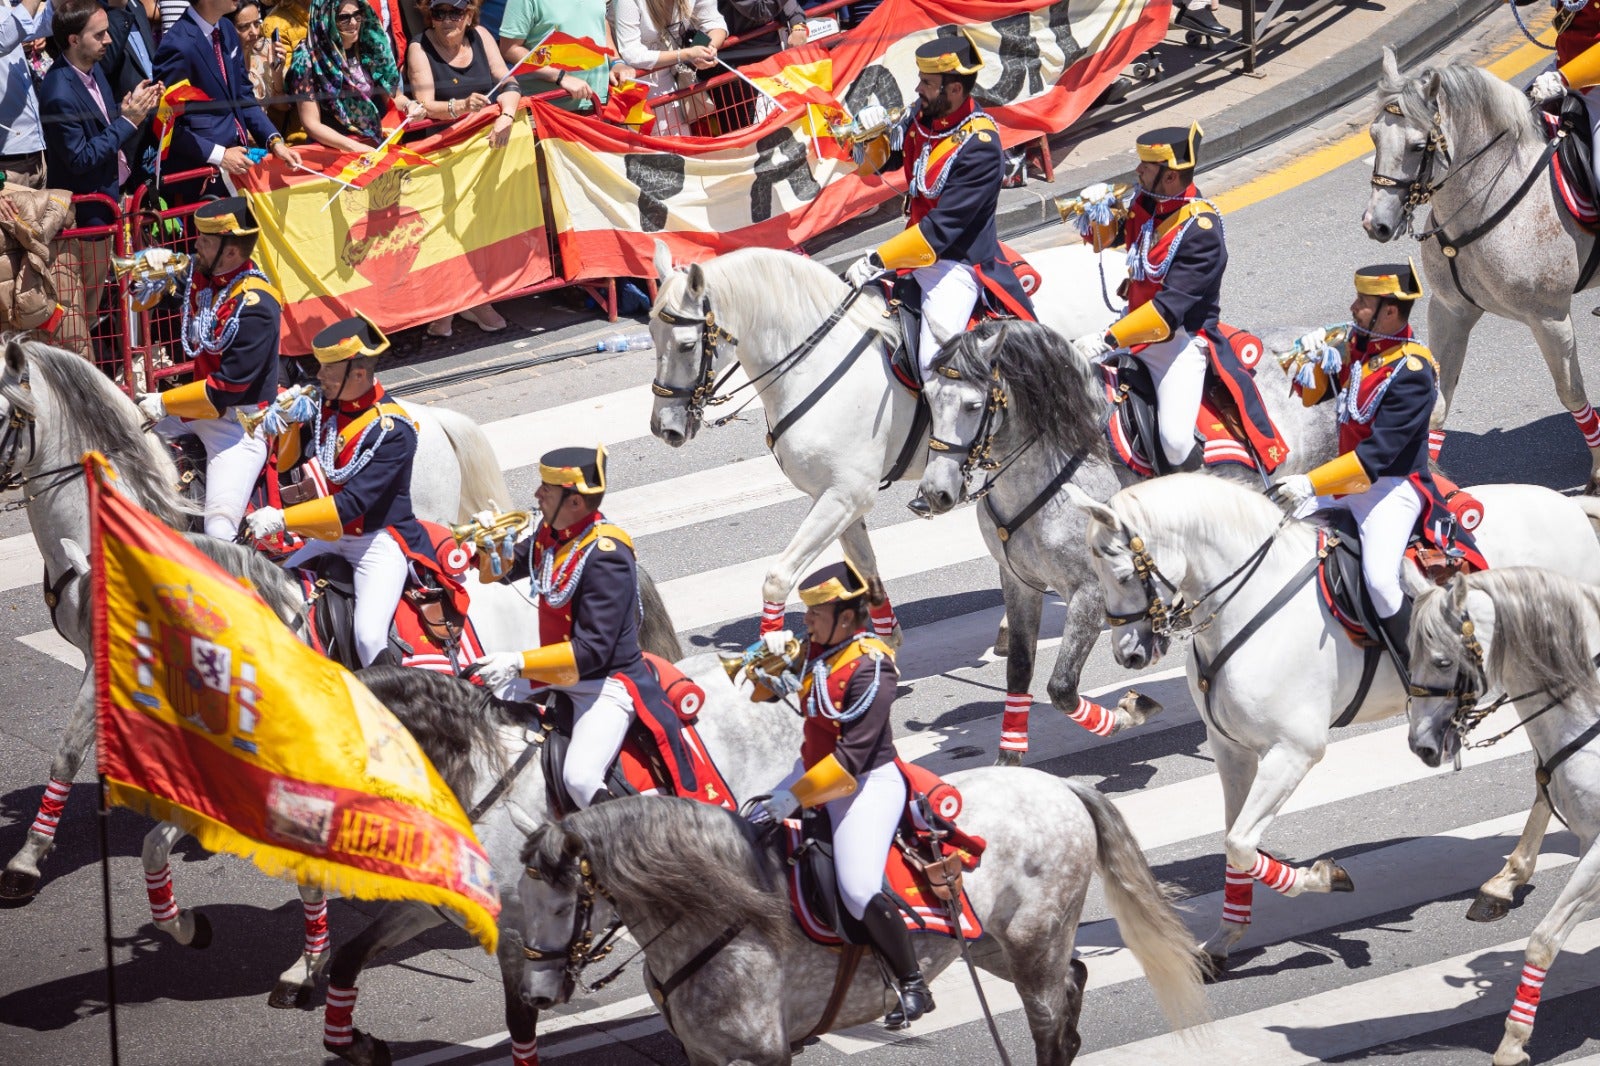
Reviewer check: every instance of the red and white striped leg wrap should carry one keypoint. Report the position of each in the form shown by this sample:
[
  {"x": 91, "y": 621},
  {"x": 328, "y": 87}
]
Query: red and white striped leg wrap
[
  {"x": 1527, "y": 1003},
  {"x": 158, "y": 886},
  {"x": 316, "y": 926},
  {"x": 771, "y": 616},
  {"x": 1588, "y": 425},
  {"x": 525, "y": 1054},
  {"x": 1093, "y": 717},
  {"x": 1238, "y": 892},
  {"x": 1014, "y": 723},
  {"x": 50, "y": 808},
  {"x": 1278, "y": 876},
  {"x": 1435, "y": 443},
  {"x": 883, "y": 619},
  {"x": 339, "y": 1017}
]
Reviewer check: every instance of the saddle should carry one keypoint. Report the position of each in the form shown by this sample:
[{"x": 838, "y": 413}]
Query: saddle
[
  {"x": 1132, "y": 427},
  {"x": 921, "y": 875},
  {"x": 427, "y": 631},
  {"x": 1572, "y": 169},
  {"x": 641, "y": 766}
]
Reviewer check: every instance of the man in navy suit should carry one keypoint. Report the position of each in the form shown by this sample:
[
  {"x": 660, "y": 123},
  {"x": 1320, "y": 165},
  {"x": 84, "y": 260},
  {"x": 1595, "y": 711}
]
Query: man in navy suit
[
  {"x": 203, "y": 48},
  {"x": 130, "y": 59}
]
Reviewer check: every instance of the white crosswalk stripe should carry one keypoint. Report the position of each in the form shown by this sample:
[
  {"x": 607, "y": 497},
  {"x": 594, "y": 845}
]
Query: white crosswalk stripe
[{"x": 1178, "y": 809}]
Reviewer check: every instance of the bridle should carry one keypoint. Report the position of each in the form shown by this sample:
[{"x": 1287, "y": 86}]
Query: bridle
[
  {"x": 979, "y": 451},
  {"x": 18, "y": 446},
  {"x": 583, "y": 948},
  {"x": 1420, "y": 189},
  {"x": 703, "y": 392}
]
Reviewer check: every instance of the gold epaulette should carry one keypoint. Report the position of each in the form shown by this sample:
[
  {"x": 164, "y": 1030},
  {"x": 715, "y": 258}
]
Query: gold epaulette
[{"x": 248, "y": 283}]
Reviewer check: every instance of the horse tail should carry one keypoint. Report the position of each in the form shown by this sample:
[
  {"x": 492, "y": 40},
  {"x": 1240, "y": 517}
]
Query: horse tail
[
  {"x": 1150, "y": 927},
  {"x": 481, "y": 479},
  {"x": 657, "y": 634}
]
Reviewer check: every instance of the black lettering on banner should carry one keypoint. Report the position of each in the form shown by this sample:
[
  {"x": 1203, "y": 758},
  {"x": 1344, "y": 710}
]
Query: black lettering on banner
[
  {"x": 1060, "y": 27},
  {"x": 659, "y": 178},
  {"x": 780, "y": 158},
  {"x": 875, "y": 84},
  {"x": 1019, "y": 62}
]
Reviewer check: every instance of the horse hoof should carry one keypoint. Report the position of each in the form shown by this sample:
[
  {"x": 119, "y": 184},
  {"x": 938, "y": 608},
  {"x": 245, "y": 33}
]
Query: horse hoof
[
  {"x": 1338, "y": 879},
  {"x": 17, "y": 889},
  {"x": 1009, "y": 758},
  {"x": 1138, "y": 707},
  {"x": 202, "y": 932},
  {"x": 1487, "y": 908},
  {"x": 1212, "y": 967},
  {"x": 290, "y": 996},
  {"x": 363, "y": 1050}
]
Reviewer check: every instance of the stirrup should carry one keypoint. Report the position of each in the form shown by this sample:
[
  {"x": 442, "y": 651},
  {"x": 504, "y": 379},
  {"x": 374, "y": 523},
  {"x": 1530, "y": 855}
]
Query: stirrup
[{"x": 915, "y": 1000}]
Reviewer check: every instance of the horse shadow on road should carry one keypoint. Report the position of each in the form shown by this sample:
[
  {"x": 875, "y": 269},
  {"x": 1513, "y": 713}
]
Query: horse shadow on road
[
  {"x": 77, "y": 843},
  {"x": 1548, "y": 452}
]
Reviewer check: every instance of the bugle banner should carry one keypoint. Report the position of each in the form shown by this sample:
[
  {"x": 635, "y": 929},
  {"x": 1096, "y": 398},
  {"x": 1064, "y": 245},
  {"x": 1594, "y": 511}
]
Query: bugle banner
[
  {"x": 417, "y": 242},
  {"x": 780, "y": 182},
  {"x": 212, "y": 715}
]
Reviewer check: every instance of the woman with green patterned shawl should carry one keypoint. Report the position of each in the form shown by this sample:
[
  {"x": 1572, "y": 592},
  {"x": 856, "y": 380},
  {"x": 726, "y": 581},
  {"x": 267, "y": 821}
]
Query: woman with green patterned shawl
[{"x": 345, "y": 75}]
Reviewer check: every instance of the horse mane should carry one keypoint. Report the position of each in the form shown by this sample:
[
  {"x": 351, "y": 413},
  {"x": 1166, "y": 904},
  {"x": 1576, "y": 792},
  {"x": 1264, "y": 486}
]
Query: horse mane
[
  {"x": 673, "y": 858},
  {"x": 96, "y": 416},
  {"x": 1190, "y": 507},
  {"x": 275, "y": 585},
  {"x": 1053, "y": 391},
  {"x": 1537, "y": 616},
  {"x": 450, "y": 718},
  {"x": 795, "y": 294},
  {"x": 1462, "y": 88}
]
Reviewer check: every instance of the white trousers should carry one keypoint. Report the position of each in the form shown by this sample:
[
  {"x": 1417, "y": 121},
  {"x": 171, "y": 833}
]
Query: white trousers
[
  {"x": 380, "y": 578},
  {"x": 234, "y": 460},
  {"x": 602, "y": 710},
  {"x": 949, "y": 293},
  {"x": 1387, "y": 514},
  {"x": 1178, "y": 369},
  {"x": 863, "y": 831}
]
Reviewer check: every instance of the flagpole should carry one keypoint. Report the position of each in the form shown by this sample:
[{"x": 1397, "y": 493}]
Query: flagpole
[
  {"x": 746, "y": 79},
  {"x": 372, "y": 155},
  {"x": 105, "y": 912},
  {"x": 512, "y": 73}
]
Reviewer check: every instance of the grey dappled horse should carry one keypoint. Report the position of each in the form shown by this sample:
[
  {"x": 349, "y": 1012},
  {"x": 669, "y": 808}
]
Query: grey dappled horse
[{"x": 684, "y": 876}]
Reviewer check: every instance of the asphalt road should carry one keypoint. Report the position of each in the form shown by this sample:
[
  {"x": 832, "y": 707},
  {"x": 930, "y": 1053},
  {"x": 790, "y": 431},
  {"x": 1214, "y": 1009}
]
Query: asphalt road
[{"x": 1389, "y": 971}]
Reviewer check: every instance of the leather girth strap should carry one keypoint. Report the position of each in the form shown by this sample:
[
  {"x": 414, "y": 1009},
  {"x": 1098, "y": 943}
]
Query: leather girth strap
[
  {"x": 849, "y": 958},
  {"x": 1547, "y": 770},
  {"x": 777, "y": 431}
]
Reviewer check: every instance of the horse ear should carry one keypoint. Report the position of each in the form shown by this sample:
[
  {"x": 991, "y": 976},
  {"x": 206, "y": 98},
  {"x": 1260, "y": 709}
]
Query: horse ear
[
  {"x": 1457, "y": 591},
  {"x": 16, "y": 358},
  {"x": 1094, "y": 508},
  {"x": 1430, "y": 86},
  {"x": 1414, "y": 584},
  {"x": 1391, "y": 66},
  {"x": 697, "y": 281},
  {"x": 571, "y": 845},
  {"x": 662, "y": 261}
]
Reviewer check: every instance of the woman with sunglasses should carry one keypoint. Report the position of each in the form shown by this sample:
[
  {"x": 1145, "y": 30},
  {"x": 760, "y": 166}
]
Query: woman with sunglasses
[
  {"x": 452, "y": 68},
  {"x": 345, "y": 76},
  {"x": 265, "y": 59}
]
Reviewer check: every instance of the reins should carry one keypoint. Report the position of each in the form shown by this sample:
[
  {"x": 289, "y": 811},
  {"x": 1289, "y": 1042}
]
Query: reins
[{"x": 18, "y": 446}]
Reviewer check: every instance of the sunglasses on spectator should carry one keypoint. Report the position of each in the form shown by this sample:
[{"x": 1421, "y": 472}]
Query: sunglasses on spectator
[
  {"x": 349, "y": 17},
  {"x": 446, "y": 14}
]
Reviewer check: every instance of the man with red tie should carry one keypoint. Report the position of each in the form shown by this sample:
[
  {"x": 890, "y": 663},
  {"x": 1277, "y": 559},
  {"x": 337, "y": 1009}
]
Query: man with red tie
[{"x": 203, "y": 49}]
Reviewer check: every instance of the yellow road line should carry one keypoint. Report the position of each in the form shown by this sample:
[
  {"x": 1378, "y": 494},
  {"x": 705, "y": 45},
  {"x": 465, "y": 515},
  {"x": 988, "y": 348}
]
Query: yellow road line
[{"x": 1331, "y": 157}]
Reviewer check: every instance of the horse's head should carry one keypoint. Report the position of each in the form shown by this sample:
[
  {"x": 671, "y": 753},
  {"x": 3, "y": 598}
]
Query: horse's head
[
  {"x": 1448, "y": 671},
  {"x": 967, "y": 401},
  {"x": 19, "y": 408},
  {"x": 1140, "y": 589},
  {"x": 683, "y": 324},
  {"x": 561, "y": 905},
  {"x": 1407, "y": 149}
]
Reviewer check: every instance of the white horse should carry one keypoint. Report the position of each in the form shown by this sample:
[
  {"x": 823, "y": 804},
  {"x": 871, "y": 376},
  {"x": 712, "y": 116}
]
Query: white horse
[
  {"x": 1186, "y": 545},
  {"x": 840, "y": 423},
  {"x": 475, "y": 740},
  {"x": 1534, "y": 634},
  {"x": 1020, "y": 396},
  {"x": 57, "y": 407},
  {"x": 1462, "y": 141}
]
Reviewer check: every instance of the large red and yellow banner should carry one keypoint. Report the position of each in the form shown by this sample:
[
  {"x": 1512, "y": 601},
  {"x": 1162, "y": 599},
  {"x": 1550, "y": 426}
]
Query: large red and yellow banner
[
  {"x": 416, "y": 243},
  {"x": 782, "y": 181},
  {"x": 212, "y": 715}
]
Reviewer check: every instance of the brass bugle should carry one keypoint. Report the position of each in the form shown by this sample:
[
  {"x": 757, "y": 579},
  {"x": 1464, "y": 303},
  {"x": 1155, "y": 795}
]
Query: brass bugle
[
  {"x": 151, "y": 273},
  {"x": 1070, "y": 207},
  {"x": 506, "y": 523},
  {"x": 283, "y": 404},
  {"x": 850, "y": 134}
]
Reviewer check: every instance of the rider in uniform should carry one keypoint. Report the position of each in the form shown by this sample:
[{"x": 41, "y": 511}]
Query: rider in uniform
[
  {"x": 1577, "y": 59},
  {"x": 950, "y": 150},
  {"x": 230, "y": 329},
  {"x": 846, "y": 688},
  {"x": 364, "y": 444},
  {"x": 1383, "y": 385},
  {"x": 1176, "y": 258},
  {"x": 585, "y": 575}
]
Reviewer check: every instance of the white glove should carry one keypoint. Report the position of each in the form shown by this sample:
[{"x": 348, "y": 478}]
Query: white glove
[
  {"x": 158, "y": 258},
  {"x": 153, "y": 407},
  {"x": 1092, "y": 346},
  {"x": 1547, "y": 86},
  {"x": 264, "y": 522},
  {"x": 775, "y": 808},
  {"x": 864, "y": 270},
  {"x": 1098, "y": 191},
  {"x": 499, "y": 668},
  {"x": 1314, "y": 341},
  {"x": 484, "y": 518},
  {"x": 1292, "y": 492},
  {"x": 777, "y": 642},
  {"x": 871, "y": 117}
]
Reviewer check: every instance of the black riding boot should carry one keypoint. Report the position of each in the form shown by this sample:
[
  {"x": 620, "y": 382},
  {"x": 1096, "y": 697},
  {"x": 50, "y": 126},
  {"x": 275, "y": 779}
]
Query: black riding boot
[
  {"x": 1396, "y": 633},
  {"x": 887, "y": 931},
  {"x": 601, "y": 795}
]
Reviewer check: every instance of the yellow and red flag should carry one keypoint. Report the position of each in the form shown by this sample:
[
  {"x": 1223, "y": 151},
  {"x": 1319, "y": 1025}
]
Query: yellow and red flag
[
  {"x": 357, "y": 170},
  {"x": 628, "y": 105},
  {"x": 177, "y": 96},
  {"x": 565, "y": 52},
  {"x": 798, "y": 76},
  {"x": 211, "y": 714}
]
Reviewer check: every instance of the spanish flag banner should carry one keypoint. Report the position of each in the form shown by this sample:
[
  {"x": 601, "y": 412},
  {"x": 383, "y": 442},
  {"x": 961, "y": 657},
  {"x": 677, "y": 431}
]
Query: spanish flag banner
[
  {"x": 174, "y": 99},
  {"x": 628, "y": 105},
  {"x": 444, "y": 223},
  {"x": 212, "y": 715},
  {"x": 797, "y": 77},
  {"x": 565, "y": 52}
]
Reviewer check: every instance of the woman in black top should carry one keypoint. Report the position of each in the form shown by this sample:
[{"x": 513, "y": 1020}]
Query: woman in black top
[{"x": 452, "y": 67}]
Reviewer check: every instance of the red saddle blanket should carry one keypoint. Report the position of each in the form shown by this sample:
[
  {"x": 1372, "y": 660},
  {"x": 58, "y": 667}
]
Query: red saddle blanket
[
  {"x": 1570, "y": 190},
  {"x": 644, "y": 759},
  {"x": 922, "y": 910}
]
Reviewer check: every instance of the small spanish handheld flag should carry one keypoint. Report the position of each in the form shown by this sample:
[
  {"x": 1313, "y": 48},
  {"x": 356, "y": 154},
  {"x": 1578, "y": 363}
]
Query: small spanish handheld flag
[
  {"x": 628, "y": 105},
  {"x": 567, "y": 53},
  {"x": 177, "y": 96}
]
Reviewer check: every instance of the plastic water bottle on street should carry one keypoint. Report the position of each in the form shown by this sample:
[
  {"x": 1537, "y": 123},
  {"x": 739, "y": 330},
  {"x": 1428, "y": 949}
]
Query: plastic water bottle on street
[{"x": 626, "y": 342}]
